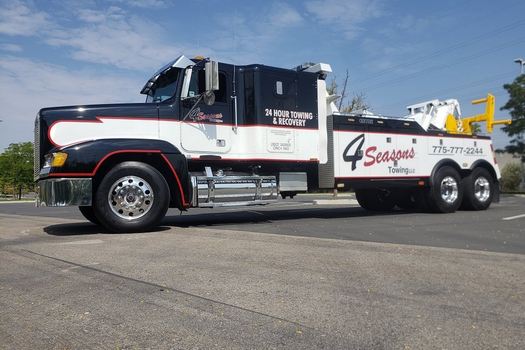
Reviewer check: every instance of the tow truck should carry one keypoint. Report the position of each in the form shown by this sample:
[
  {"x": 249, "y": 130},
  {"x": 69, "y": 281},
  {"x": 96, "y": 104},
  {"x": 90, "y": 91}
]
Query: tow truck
[{"x": 213, "y": 134}]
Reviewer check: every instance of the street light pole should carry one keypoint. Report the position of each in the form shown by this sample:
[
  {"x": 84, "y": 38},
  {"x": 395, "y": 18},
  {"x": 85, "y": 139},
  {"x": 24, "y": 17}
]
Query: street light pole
[{"x": 521, "y": 62}]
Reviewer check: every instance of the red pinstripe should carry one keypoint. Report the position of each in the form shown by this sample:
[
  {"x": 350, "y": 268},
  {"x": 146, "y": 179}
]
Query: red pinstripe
[{"x": 100, "y": 162}]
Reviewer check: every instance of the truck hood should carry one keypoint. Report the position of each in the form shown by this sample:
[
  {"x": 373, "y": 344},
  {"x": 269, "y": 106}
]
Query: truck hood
[
  {"x": 56, "y": 126},
  {"x": 76, "y": 111}
]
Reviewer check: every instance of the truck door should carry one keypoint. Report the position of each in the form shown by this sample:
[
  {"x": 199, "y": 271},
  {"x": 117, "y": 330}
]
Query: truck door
[{"x": 208, "y": 129}]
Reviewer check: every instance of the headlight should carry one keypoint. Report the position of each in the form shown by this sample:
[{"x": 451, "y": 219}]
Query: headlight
[{"x": 55, "y": 160}]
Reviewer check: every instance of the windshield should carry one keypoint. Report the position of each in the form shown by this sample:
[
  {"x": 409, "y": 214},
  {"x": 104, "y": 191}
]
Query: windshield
[{"x": 165, "y": 86}]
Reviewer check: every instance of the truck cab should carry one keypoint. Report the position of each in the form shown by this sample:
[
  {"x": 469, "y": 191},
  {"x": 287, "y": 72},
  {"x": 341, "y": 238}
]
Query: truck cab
[{"x": 219, "y": 134}]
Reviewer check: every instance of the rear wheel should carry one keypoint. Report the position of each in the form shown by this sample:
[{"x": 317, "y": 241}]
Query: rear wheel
[
  {"x": 133, "y": 196},
  {"x": 89, "y": 214},
  {"x": 479, "y": 190},
  {"x": 446, "y": 193},
  {"x": 375, "y": 200}
]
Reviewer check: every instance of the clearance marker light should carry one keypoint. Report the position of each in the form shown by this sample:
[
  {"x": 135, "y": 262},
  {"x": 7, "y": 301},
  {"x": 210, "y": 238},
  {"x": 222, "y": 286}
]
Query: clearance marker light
[{"x": 421, "y": 183}]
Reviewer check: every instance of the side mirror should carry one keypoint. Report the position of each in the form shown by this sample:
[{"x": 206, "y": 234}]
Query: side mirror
[{"x": 211, "y": 70}]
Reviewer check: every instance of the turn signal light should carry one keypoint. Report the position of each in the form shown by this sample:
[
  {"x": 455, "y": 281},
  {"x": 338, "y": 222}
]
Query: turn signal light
[{"x": 59, "y": 159}]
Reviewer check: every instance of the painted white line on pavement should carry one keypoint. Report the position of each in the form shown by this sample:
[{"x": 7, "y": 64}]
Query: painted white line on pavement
[
  {"x": 17, "y": 202},
  {"x": 336, "y": 202},
  {"x": 515, "y": 217},
  {"x": 85, "y": 241}
]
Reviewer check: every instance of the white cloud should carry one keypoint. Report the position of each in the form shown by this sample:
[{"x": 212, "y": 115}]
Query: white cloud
[
  {"x": 109, "y": 36},
  {"x": 144, "y": 3},
  {"x": 409, "y": 22},
  {"x": 245, "y": 38},
  {"x": 11, "y": 48},
  {"x": 29, "y": 85},
  {"x": 113, "y": 37},
  {"x": 344, "y": 15},
  {"x": 96, "y": 16},
  {"x": 283, "y": 15},
  {"x": 16, "y": 18}
]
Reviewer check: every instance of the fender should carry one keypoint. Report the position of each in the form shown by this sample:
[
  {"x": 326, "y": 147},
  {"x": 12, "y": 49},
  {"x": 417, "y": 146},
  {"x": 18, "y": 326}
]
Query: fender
[
  {"x": 443, "y": 162},
  {"x": 484, "y": 164},
  {"x": 86, "y": 158}
]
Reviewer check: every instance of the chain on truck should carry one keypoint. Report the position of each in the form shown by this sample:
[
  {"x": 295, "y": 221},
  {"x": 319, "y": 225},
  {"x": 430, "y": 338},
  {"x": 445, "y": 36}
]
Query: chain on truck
[{"x": 214, "y": 134}]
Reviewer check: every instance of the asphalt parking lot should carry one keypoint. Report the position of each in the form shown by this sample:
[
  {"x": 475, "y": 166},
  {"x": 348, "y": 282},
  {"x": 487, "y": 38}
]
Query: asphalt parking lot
[{"x": 296, "y": 275}]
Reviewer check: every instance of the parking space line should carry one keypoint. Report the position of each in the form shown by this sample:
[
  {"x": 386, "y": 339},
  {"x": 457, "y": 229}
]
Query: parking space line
[{"x": 515, "y": 217}]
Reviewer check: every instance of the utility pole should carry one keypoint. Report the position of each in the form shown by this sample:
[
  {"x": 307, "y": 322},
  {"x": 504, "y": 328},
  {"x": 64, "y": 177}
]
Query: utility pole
[
  {"x": 344, "y": 92},
  {"x": 521, "y": 62}
]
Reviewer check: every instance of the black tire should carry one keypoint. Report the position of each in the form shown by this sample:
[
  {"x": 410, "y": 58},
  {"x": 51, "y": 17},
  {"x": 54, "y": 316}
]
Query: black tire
[
  {"x": 479, "y": 190},
  {"x": 446, "y": 193},
  {"x": 375, "y": 200},
  {"x": 89, "y": 214},
  {"x": 133, "y": 181}
]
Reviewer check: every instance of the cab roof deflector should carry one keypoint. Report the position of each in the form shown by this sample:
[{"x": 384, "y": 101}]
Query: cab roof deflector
[{"x": 180, "y": 62}]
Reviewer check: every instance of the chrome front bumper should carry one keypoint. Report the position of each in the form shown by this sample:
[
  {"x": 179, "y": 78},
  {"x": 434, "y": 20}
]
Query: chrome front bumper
[{"x": 63, "y": 192}]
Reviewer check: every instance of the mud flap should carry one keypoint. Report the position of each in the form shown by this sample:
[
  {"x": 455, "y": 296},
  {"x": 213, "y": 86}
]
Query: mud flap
[{"x": 495, "y": 199}]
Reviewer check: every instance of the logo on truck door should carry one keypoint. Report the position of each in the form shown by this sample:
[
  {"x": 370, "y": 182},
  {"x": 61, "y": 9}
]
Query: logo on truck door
[
  {"x": 372, "y": 155},
  {"x": 358, "y": 153}
]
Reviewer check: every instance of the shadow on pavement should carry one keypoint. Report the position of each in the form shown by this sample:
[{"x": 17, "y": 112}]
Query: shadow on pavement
[
  {"x": 255, "y": 216},
  {"x": 79, "y": 229}
]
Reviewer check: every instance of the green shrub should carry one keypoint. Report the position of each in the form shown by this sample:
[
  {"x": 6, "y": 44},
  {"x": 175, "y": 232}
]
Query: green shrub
[{"x": 511, "y": 176}]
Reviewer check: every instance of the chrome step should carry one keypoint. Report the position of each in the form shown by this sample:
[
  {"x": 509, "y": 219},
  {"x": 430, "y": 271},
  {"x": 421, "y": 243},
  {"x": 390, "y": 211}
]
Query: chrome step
[{"x": 222, "y": 191}]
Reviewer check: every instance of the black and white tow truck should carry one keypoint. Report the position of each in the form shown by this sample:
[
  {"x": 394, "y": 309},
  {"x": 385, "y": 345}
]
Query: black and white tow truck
[{"x": 214, "y": 134}]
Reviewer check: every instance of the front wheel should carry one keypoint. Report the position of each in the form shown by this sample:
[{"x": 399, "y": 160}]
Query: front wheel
[
  {"x": 89, "y": 214},
  {"x": 479, "y": 190},
  {"x": 133, "y": 196}
]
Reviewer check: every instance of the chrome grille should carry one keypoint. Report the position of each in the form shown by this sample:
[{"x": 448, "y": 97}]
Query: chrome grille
[{"x": 37, "y": 147}]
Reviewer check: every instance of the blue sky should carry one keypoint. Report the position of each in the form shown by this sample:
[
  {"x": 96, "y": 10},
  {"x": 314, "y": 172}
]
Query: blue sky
[{"x": 397, "y": 52}]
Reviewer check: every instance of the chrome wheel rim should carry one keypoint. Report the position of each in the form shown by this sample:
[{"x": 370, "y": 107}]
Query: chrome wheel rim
[
  {"x": 130, "y": 197},
  {"x": 449, "y": 189},
  {"x": 482, "y": 189}
]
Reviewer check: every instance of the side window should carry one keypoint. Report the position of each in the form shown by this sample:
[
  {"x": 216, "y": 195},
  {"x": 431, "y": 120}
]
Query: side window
[
  {"x": 198, "y": 86},
  {"x": 249, "y": 98},
  {"x": 221, "y": 94},
  {"x": 196, "y": 83}
]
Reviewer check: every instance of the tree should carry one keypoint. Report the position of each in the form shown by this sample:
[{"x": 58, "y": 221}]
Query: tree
[
  {"x": 511, "y": 176},
  {"x": 358, "y": 101},
  {"x": 516, "y": 106},
  {"x": 16, "y": 167}
]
